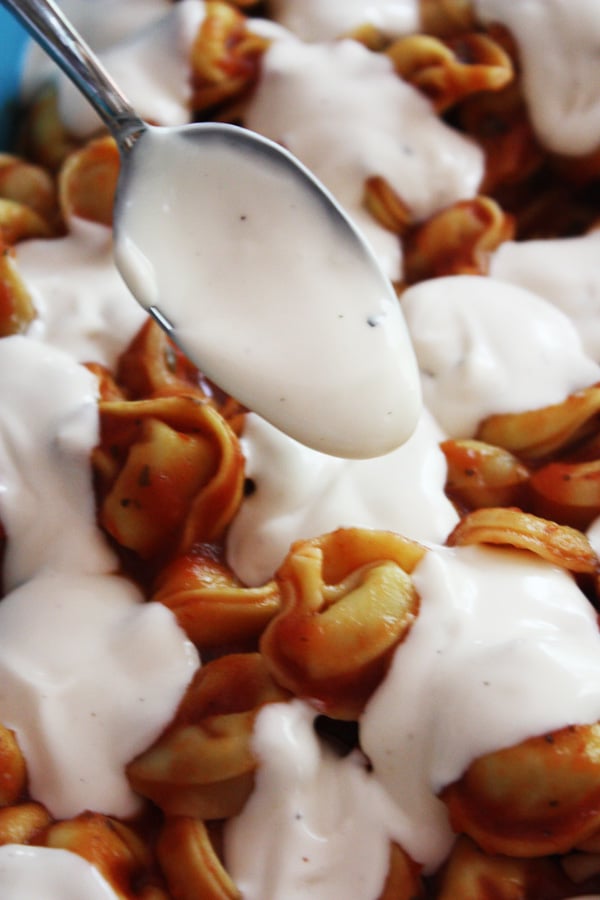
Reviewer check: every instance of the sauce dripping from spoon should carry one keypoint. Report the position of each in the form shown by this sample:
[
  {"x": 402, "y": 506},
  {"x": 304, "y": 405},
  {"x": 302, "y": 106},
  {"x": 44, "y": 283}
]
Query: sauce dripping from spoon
[{"x": 252, "y": 267}]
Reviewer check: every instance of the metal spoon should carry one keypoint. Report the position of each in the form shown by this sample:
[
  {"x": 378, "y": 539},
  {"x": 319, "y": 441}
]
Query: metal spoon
[{"x": 305, "y": 330}]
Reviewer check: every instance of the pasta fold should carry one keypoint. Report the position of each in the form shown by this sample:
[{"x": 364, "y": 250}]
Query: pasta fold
[
  {"x": 347, "y": 601},
  {"x": 203, "y": 766}
]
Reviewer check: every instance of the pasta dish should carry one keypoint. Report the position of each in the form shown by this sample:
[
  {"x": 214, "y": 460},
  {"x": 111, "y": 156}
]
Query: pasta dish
[{"x": 236, "y": 668}]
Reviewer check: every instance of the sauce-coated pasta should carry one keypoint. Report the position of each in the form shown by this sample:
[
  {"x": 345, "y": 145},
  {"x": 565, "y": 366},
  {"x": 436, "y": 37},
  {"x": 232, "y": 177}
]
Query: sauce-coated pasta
[{"x": 233, "y": 667}]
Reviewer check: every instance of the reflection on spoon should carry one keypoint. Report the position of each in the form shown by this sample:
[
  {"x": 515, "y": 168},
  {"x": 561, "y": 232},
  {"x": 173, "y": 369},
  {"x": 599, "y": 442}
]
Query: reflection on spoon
[{"x": 252, "y": 267}]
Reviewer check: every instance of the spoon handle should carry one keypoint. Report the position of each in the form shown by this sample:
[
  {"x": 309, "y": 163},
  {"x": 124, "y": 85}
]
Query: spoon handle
[{"x": 48, "y": 26}]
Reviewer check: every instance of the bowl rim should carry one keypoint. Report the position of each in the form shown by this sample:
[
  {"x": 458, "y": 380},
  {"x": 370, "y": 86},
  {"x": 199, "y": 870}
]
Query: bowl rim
[{"x": 13, "y": 40}]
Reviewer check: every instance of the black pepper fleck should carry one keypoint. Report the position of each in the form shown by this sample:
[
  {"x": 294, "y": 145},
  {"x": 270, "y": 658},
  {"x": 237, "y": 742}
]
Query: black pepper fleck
[{"x": 249, "y": 487}]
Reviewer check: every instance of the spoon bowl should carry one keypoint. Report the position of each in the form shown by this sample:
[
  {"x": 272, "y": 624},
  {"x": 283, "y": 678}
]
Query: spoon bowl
[{"x": 252, "y": 267}]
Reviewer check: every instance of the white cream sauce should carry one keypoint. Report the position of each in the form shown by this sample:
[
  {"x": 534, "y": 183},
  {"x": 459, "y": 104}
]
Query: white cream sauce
[
  {"x": 318, "y": 101},
  {"x": 89, "y": 673},
  {"x": 101, "y": 23},
  {"x": 564, "y": 271},
  {"x": 313, "y": 20},
  {"x": 559, "y": 50},
  {"x": 49, "y": 426},
  {"x": 486, "y": 347},
  {"x": 456, "y": 690},
  {"x": 45, "y": 873},
  {"x": 151, "y": 67},
  {"x": 276, "y": 299},
  {"x": 300, "y": 493},
  {"x": 316, "y": 825},
  {"x": 90, "y": 314}
]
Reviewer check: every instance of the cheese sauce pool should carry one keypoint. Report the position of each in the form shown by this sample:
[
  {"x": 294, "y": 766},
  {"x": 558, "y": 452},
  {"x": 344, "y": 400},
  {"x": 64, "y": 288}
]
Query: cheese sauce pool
[
  {"x": 49, "y": 874},
  {"x": 94, "y": 638},
  {"x": 300, "y": 493},
  {"x": 276, "y": 301},
  {"x": 150, "y": 65},
  {"x": 485, "y": 347},
  {"x": 565, "y": 272},
  {"x": 316, "y": 99},
  {"x": 558, "y": 50},
  {"x": 313, "y": 20}
]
